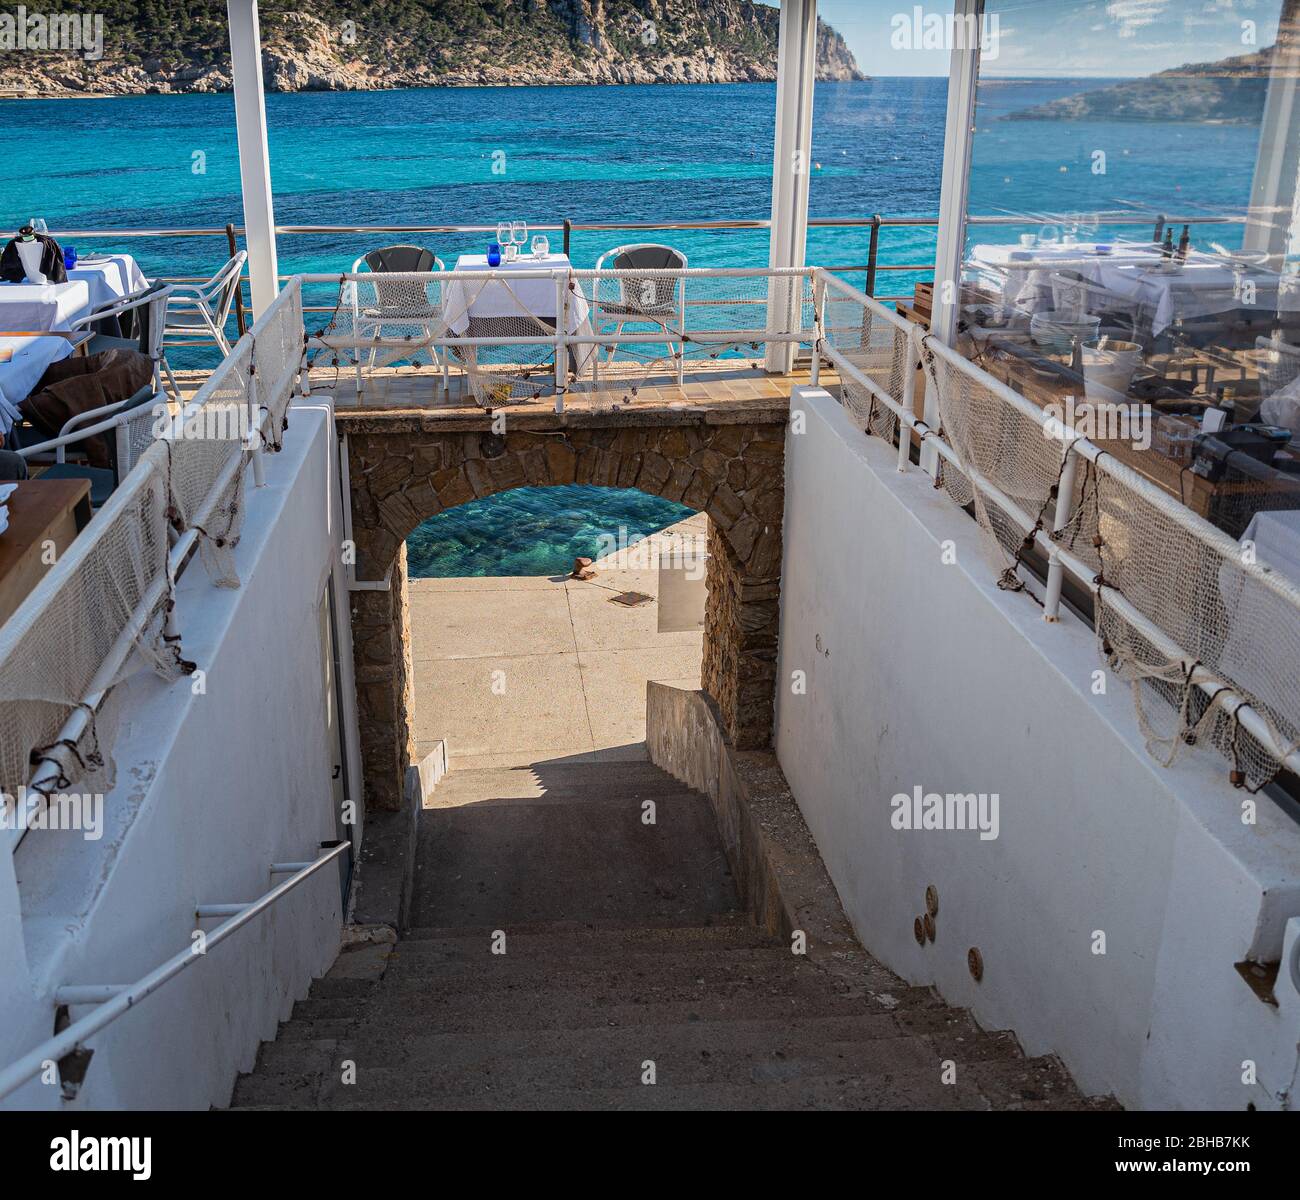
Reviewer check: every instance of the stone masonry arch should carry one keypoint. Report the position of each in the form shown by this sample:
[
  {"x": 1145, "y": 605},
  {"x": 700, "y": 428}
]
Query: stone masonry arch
[{"x": 405, "y": 466}]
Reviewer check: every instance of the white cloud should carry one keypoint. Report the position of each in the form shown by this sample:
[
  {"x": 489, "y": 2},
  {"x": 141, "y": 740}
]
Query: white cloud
[{"x": 1132, "y": 15}]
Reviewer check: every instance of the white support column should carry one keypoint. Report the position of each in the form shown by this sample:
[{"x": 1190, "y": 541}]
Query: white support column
[
  {"x": 1274, "y": 217},
  {"x": 950, "y": 248},
  {"x": 254, "y": 157},
  {"x": 791, "y": 165},
  {"x": 963, "y": 73}
]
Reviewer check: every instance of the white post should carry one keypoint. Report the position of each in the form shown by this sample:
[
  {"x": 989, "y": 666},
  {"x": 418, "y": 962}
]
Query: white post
[
  {"x": 254, "y": 158},
  {"x": 1064, "y": 514},
  {"x": 1273, "y": 219},
  {"x": 819, "y": 321},
  {"x": 255, "y": 427},
  {"x": 963, "y": 74},
  {"x": 561, "y": 340},
  {"x": 791, "y": 164}
]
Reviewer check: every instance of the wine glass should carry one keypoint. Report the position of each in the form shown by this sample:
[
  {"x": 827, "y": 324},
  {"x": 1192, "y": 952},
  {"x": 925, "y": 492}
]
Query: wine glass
[
  {"x": 541, "y": 245},
  {"x": 39, "y": 225},
  {"x": 519, "y": 233},
  {"x": 503, "y": 233}
]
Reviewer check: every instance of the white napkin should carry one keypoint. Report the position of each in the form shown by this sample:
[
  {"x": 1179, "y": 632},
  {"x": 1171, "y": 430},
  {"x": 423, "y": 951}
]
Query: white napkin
[{"x": 30, "y": 254}]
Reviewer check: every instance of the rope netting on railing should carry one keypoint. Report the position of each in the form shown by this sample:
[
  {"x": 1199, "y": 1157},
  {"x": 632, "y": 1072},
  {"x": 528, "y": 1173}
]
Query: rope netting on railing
[
  {"x": 1207, "y": 636},
  {"x": 521, "y": 334},
  {"x": 106, "y": 610}
]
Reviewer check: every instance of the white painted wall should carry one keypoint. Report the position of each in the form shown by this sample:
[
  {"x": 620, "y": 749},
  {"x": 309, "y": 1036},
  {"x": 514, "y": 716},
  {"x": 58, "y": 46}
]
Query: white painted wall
[
  {"x": 921, "y": 673},
  {"x": 209, "y": 791}
]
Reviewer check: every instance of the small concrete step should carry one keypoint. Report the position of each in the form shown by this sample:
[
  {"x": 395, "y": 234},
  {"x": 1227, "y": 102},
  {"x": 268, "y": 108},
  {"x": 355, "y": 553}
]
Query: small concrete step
[
  {"x": 593, "y": 784},
  {"x": 566, "y": 1010},
  {"x": 544, "y": 937},
  {"x": 593, "y": 968},
  {"x": 868, "y": 1084},
  {"x": 374, "y": 1045},
  {"x": 676, "y": 980},
  {"x": 482, "y": 863},
  {"x": 525, "y": 782}
]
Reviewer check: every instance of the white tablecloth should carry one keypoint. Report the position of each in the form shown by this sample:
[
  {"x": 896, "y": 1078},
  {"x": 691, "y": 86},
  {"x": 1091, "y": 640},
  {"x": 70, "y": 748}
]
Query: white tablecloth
[
  {"x": 109, "y": 278},
  {"x": 1259, "y": 633},
  {"x": 464, "y": 300},
  {"x": 32, "y": 306},
  {"x": 18, "y": 376},
  {"x": 1203, "y": 286}
]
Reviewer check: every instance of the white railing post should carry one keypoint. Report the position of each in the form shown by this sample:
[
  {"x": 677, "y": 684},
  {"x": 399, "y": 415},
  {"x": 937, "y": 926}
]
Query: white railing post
[
  {"x": 913, "y": 362},
  {"x": 1064, "y": 514},
  {"x": 819, "y": 324},
  {"x": 255, "y": 423},
  {"x": 254, "y": 156},
  {"x": 950, "y": 246},
  {"x": 795, "y": 75},
  {"x": 561, "y": 340}
]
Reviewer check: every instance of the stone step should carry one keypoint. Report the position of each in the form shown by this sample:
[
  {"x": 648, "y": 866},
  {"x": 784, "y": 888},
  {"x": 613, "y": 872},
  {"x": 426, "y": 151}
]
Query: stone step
[
  {"x": 474, "y": 965},
  {"x": 538, "y": 938},
  {"x": 405, "y": 1013},
  {"x": 634, "y": 798},
  {"x": 427, "y": 1069},
  {"x": 591, "y": 967},
  {"x": 479, "y": 864},
  {"x": 503, "y": 786},
  {"x": 866, "y": 1085},
  {"x": 546, "y": 775},
  {"x": 375, "y": 1045}
]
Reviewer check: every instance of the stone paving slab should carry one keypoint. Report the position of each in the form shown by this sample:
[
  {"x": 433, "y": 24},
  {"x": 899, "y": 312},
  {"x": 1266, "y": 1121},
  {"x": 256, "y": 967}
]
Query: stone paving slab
[{"x": 574, "y": 663}]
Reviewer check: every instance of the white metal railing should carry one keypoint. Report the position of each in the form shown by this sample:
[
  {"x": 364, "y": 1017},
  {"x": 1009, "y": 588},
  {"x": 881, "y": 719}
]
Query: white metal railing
[
  {"x": 113, "y": 593},
  {"x": 1261, "y": 719},
  {"x": 111, "y": 1001},
  {"x": 715, "y": 308}
]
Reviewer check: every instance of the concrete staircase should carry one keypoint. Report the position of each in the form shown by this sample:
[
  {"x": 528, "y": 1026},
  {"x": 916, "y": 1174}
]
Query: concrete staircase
[{"x": 629, "y": 978}]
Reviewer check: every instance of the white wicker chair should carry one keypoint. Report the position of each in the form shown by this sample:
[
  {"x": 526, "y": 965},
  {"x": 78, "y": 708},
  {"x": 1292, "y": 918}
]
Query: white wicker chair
[
  {"x": 655, "y": 300},
  {"x": 400, "y": 303}
]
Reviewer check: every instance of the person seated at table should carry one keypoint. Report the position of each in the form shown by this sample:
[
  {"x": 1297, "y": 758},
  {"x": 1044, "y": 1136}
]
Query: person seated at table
[
  {"x": 14, "y": 270},
  {"x": 13, "y": 466}
]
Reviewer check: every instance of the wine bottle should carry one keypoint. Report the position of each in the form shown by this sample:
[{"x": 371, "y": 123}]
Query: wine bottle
[
  {"x": 1167, "y": 250},
  {"x": 1183, "y": 243}
]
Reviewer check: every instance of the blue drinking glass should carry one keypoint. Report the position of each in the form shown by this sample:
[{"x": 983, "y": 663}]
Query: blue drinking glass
[
  {"x": 494, "y": 254},
  {"x": 69, "y": 257}
]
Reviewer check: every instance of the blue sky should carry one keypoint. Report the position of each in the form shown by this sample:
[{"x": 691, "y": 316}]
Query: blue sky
[{"x": 1067, "y": 37}]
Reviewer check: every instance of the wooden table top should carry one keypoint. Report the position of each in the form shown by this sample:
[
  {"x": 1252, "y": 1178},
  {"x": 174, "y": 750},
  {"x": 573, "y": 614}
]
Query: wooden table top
[{"x": 34, "y": 508}]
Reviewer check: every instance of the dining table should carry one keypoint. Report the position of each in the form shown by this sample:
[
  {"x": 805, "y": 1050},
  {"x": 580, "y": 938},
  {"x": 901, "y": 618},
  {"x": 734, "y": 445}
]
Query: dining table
[
  {"x": 37, "y": 307},
  {"x": 23, "y": 360},
  {"x": 108, "y": 276},
  {"x": 1134, "y": 275},
  {"x": 530, "y": 302},
  {"x": 96, "y": 279}
]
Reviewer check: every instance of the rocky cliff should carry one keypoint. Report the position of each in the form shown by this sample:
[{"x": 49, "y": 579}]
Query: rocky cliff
[
  {"x": 1227, "y": 92},
  {"x": 320, "y": 45}
]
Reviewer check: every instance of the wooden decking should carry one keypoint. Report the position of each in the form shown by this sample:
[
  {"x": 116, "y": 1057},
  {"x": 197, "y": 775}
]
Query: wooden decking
[{"x": 717, "y": 383}]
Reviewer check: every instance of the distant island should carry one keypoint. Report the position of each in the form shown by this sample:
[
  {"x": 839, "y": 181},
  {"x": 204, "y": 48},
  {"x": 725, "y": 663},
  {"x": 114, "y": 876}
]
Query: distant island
[
  {"x": 1229, "y": 92},
  {"x": 153, "y": 46}
]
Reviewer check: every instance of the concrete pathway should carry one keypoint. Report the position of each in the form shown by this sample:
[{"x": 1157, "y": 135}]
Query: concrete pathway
[{"x": 514, "y": 669}]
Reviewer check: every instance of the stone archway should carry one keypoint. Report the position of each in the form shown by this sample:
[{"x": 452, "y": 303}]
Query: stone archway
[{"x": 404, "y": 467}]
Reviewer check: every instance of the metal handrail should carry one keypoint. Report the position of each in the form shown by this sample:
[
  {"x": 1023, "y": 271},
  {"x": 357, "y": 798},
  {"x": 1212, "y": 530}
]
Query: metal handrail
[
  {"x": 1060, "y": 560},
  {"x": 116, "y": 1001},
  {"x": 871, "y": 268},
  {"x": 650, "y": 226}
]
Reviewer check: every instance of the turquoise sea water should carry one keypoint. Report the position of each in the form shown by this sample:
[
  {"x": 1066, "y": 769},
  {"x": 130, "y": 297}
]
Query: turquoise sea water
[
  {"x": 535, "y": 531},
  {"x": 593, "y": 154},
  {"x": 425, "y": 156}
]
